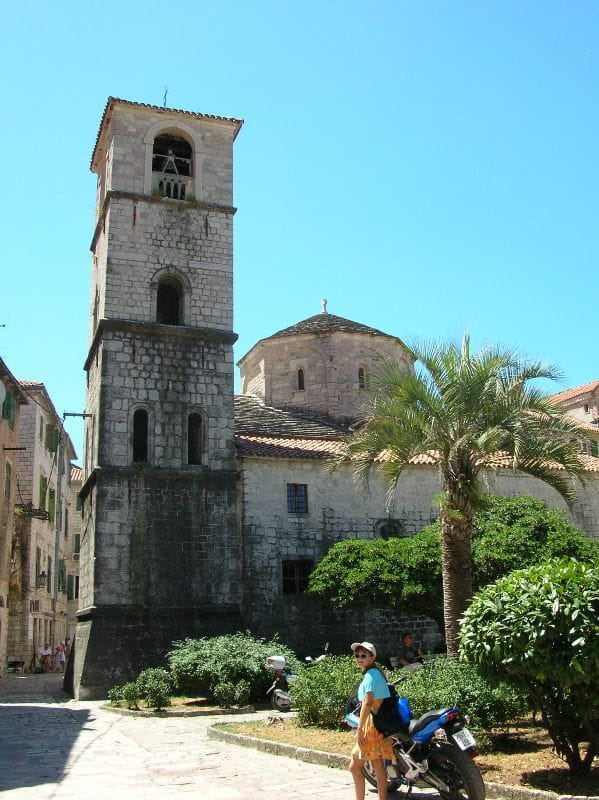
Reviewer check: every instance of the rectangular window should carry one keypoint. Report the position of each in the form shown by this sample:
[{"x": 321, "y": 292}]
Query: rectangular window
[
  {"x": 62, "y": 576},
  {"x": 76, "y": 587},
  {"x": 8, "y": 409},
  {"x": 49, "y": 575},
  {"x": 7, "y": 481},
  {"x": 41, "y": 428},
  {"x": 594, "y": 448},
  {"x": 70, "y": 587},
  {"x": 76, "y": 544},
  {"x": 38, "y": 566},
  {"x": 295, "y": 576},
  {"x": 297, "y": 498},
  {"x": 78, "y": 503},
  {"x": 43, "y": 491},
  {"x": 66, "y": 522},
  {"x": 52, "y": 505}
]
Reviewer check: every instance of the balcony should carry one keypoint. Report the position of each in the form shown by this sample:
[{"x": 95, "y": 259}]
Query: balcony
[{"x": 170, "y": 186}]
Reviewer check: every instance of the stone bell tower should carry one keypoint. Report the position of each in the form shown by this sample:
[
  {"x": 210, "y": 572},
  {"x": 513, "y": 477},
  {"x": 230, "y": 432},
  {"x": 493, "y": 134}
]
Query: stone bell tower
[{"x": 159, "y": 550}]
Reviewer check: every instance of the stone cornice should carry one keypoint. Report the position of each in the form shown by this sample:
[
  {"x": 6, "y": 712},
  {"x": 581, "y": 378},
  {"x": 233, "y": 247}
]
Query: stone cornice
[
  {"x": 200, "y": 474},
  {"x": 156, "y": 330},
  {"x": 182, "y": 204},
  {"x": 88, "y": 613}
]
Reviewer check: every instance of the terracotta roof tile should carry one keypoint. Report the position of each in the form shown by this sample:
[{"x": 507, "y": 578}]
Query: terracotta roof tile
[
  {"x": 568, "y": 394},
  {"x": 286, "y": 447}
]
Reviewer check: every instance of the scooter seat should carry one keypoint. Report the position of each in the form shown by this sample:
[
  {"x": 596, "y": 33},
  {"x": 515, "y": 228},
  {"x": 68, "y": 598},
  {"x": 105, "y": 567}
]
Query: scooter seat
[{"x": 430, "y": 716}]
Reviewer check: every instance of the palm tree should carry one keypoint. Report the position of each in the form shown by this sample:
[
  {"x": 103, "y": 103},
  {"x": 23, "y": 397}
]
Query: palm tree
[{"x": 467, "y": 413}]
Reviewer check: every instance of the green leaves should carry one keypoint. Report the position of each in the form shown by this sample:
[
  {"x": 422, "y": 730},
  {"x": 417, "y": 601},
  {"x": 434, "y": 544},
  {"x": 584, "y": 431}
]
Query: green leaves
[{"x": 539, "y": 627}]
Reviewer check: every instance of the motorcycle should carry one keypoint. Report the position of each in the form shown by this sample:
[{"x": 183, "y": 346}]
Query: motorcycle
[
  {"x": 279, "y": 691},
  {"x": 311, "y": 662},
  {"x": 443, "y": 761}
]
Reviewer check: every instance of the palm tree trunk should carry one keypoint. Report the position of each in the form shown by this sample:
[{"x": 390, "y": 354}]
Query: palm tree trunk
[{"x": 456, "y": 563}]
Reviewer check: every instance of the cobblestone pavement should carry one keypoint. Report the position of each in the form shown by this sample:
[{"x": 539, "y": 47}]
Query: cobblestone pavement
[{"x": 54, "y": 747}]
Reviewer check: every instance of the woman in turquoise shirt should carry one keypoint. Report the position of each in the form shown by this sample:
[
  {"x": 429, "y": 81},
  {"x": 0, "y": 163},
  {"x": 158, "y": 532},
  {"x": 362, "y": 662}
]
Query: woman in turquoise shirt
[{"x": 371, "y": 746}]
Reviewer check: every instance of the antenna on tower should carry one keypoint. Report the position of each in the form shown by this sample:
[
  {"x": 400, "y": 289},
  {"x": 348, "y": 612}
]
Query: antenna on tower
[{"x": 164, "y": 98}]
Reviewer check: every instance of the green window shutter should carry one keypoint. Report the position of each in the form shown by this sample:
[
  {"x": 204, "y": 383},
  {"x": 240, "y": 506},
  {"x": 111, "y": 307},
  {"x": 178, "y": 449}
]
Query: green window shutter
[
  {"x": 49, "y": 577},
  {"x": 70, "y": 588},
  {"x": 78, "y": 503},
  {"x": 51, "y": 438},
  {"x": 66, "y": 522},
  {"x": 62, "y": 576},
  {"x": 76, "y": 543},
  {"x": 51, "y": 505},
  {"x": 41, "y": 429},
  {"x": 8, "y": 409},
  {"x": 594, "y": 448},
  {"x": 38, "y": 564},
  {"x": 43, "y": 491}
]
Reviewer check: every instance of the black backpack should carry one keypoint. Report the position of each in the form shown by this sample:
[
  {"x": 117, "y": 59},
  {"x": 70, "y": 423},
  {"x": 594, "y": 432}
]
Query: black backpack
[{"x": 387, "y": 719}]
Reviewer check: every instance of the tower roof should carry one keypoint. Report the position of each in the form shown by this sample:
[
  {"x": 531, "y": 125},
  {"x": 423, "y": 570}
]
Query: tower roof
[
  {"x": 114, "y": 101},
  {"x": 325, "y": 323}
]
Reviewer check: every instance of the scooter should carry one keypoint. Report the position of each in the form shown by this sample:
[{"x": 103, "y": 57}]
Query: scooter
[
  {"x": 279, "y": 691},
  {"x": 422, "y": 758}
]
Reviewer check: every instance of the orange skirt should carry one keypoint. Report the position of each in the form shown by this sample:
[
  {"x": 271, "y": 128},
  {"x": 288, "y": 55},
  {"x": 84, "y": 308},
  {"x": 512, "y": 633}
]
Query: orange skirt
[{"x": 375, "y": 746}]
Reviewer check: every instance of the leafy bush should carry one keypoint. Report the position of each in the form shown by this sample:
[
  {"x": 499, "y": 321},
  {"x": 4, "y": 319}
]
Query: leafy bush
[
  {"x": 115, "y": 695},
  {"x": 224, "y": 694},
  {"x": 130, "y": 693},
  {"x": 538, "y": 628},
  {"x": 155, "y": 687},
  {"x": 242, "y": 693},
  {"x": 319, "y": 694},
  {"x": 445, "y": 682},
  {"x": 198, "y": 666}
]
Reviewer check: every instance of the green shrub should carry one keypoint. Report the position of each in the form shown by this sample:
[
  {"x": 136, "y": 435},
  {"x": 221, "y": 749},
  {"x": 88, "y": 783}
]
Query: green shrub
[
  {"x": 115, "y": 695},
  {"x": 155, "y": 687},
  {"x": 319, "y": 694},
  {"x": 444, "y": 682},
  {"x": 538, "y": 628},
  {"x": 198, "y": 666},
  {"x": 242, "y": 693},
  {"x": 130, "y": 694},
  {"x": 224, "y": 694}
]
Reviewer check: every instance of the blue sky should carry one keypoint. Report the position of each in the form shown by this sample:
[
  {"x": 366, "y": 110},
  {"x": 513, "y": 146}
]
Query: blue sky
[{"x": 425, "y": 166}]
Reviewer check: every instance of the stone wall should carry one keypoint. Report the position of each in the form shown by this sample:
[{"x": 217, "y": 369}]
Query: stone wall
[
  {"x": 165, "y": 566},
  {"x": 339, "y": 510}
]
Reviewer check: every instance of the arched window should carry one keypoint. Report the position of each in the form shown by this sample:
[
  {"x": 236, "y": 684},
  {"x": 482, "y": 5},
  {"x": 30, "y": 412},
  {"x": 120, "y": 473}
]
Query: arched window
[
  {"x": 140, "y": 436},
  {"x": 194, "y": 439},
  {"x": 362, "y": 378},
  {"x": 171, "y": 165},
  {"x": 168, "y": 301},
  {"x": 300, "y": 380}
]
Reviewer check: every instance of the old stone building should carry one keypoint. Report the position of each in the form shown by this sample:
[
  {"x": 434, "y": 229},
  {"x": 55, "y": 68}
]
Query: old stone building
[
  {"x": 204, "y": 513},
  {"x": 37, "y": 596},
  {"x": 12, "y": 398}
]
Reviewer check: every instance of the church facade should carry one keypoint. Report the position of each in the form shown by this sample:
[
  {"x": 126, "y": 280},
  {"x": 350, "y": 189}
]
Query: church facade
[{"x": 203, "y": 512}]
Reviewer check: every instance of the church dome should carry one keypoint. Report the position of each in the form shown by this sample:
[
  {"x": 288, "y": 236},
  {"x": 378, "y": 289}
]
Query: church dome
[{"x": 321, "y": 364}]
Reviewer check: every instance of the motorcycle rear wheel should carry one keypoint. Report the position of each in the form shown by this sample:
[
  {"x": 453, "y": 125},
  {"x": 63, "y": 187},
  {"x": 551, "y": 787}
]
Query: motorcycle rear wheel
[
  {"x": 456, "y": 769},
  {"x": 392, "y": 783}
]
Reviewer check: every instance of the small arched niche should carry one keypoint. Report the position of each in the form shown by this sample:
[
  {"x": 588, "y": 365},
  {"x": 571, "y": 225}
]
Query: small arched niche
[
  {"x": 301, "y": 385},
  {"x": 169, "y": 301},
  {"x": 195, "y": 438},
  {"x": 172, "y": 166}
]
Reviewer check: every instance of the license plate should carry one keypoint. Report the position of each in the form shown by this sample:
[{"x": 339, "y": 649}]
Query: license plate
[{"x": 464, "y": 739}]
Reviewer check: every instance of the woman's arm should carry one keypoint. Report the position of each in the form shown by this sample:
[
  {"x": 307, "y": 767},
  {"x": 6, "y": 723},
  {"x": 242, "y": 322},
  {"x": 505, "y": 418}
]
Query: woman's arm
[{"x": 366, "y": 708}]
